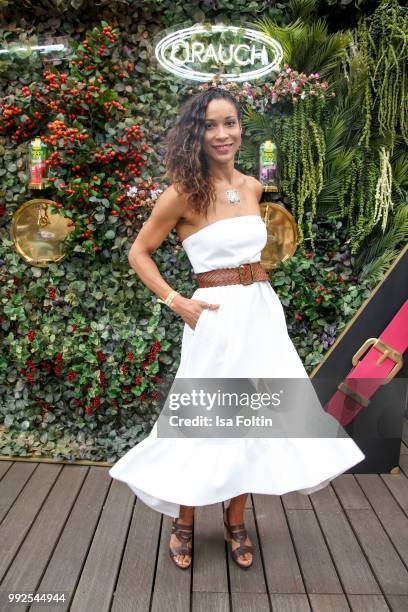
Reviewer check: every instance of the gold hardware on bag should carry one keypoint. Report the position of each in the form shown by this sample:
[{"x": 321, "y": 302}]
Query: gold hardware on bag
[
  {"x": 388, "y": 352},
  {"x": 353, "y": 394}
]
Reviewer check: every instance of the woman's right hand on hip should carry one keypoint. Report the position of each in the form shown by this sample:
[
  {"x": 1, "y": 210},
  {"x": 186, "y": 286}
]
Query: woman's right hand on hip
[{"x": 190, "y": 310}]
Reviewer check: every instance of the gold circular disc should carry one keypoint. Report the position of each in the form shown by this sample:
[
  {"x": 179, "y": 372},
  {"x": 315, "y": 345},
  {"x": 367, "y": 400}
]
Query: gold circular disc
[
  {"x": 37, "y": 233},
  {"x": 282, "y": 234}
]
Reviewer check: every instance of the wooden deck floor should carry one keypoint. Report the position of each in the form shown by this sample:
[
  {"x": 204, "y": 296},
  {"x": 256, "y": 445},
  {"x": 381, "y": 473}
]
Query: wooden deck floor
[{"x": 72, "y": 529}]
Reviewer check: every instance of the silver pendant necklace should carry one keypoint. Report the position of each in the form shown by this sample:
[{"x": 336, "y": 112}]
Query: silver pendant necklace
[{"x": 233, "y": 196}]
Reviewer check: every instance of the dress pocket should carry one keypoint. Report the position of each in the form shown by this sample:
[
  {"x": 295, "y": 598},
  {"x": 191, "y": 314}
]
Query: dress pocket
[{"x": 200, "y": 320}]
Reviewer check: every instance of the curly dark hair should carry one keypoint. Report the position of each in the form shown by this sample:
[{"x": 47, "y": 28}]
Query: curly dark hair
[{"x": 185, "y": 160}]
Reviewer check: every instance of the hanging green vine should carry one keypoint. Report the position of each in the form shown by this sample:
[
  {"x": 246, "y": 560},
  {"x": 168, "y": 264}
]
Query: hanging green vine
[
  {"x": 302, "y": 152},
  {"x": 366, "y": 68},
  {"x": 365, "y": 196},
  {"x": 357, "y": 197},
  {"x": 383, "y": 43}
]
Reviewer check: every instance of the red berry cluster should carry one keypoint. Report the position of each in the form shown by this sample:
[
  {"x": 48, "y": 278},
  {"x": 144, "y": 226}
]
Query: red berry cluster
[
  {"x": 110, "y": 35},
  {"x": 151, "y": 357},
  {"x": 46, "y": 365},
  {"x": 105, "y": 158},
  {"x": 322, "y": 291},
  {"x": 101, "y": 356},
  {"x": 107, "y": 35},
  {"x": 59, "y": 130},
  {"x": 133, "y": 133},
  {"x": 64, "y": 92},
  {"x": 51, "y": 293},
  {"x": 96, "y": 402},
  {"x": 44, "y": 407},
  {"x": 133, "y": 167},
  {"x": 29, "y": 374},
  {"x": 112, "y": 104},
  {"x": 58, "y": 360},
  {"x": 54, "y": 79},
  {"x": 11, "y": 121},
  {"x": 54, "y": 160},
  {"x": 9, "y": 111}
]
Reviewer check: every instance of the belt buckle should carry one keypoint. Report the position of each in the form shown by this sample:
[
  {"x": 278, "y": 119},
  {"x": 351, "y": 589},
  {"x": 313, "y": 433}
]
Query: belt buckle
[
  {"x": 241, "y": 278},
  {"x": 387, "y": 351}
]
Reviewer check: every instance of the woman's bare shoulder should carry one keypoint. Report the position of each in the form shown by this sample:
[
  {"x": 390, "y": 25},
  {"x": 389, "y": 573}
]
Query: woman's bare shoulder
[
  {"x": 173, "y": 193},
  {"x": 253, "y": 184},
  {"x": 172, "y": 199}
]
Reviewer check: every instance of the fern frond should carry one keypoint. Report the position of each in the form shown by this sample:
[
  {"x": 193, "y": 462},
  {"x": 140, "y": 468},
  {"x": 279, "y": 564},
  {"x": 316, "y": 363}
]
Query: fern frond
[
  {"x": 301, "y": 9},
  {"x": 258, "y": 124},
  {"x": 379, "y": 244},
  {"x": 399, "y": 162},
  {"x": 375, "y": 270}
]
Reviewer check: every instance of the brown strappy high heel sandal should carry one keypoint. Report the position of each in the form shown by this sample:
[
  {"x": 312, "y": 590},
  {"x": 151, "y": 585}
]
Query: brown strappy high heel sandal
[
  {"x": 238, "y": 534},
  {"x": 185, "y": 534}
]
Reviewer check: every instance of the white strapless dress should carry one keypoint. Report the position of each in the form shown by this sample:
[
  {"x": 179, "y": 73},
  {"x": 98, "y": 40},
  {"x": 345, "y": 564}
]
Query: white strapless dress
[{"x": 246, "y": 337}]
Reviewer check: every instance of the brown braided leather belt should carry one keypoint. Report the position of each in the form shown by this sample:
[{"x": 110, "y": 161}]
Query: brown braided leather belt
[{"x": 245, "y": 274}]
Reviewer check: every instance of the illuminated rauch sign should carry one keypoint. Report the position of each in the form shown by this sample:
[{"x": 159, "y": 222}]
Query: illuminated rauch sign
[{"x": 181, "y": 53}]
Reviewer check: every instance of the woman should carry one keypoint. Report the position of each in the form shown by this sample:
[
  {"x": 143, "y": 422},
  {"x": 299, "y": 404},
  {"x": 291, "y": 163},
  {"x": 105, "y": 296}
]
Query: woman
[{"x": 235, "y": 327}]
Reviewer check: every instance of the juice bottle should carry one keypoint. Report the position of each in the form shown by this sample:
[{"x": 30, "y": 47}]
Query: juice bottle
[
  {"x": 37, "y": 167},
  {"x": 267, "y": 163}
]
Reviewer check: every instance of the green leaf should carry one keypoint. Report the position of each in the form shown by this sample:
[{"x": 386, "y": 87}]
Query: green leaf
[{"x": 8, "y": 420}]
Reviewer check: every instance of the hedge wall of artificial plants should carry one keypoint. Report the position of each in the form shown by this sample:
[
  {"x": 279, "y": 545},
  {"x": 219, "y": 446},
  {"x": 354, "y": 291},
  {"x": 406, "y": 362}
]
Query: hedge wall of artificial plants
[{"x": 86, "y": 347}]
